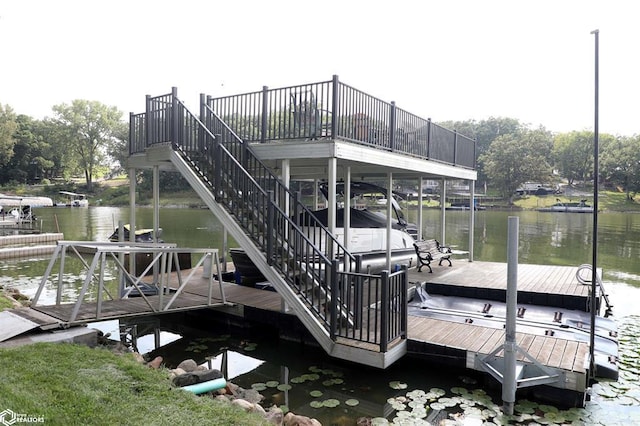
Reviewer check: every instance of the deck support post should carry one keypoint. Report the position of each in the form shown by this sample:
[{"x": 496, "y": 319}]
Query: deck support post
[
  {"x": 472, "y": 215},
  {"x": 332, "y": 175},
  {"x": 389, "y": 218},
  {"x": 132, "y": 216},
  {"x": 420, "y": 200},
  {"x": 443, "y": 202},
  {"x": 346, "y": 218}
]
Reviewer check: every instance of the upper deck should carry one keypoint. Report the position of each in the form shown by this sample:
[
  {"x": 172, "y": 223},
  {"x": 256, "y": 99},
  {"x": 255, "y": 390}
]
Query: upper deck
[{"x": 308, "y": 123}]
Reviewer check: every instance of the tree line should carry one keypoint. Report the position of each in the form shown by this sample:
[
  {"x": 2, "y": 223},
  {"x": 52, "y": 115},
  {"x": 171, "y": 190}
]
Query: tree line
[
  {"x": 510, "y": 153},
  {"x": 83, "y": 138},
  {"x": 90, "y": 139}
]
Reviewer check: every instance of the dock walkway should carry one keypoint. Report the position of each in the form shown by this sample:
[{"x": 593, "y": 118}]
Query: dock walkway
[
  {"x": 544, "y": 285},
  {"x": 460, "y": 343}
]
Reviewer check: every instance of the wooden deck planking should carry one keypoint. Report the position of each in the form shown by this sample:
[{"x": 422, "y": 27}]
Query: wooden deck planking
[
  {"x": 525, "y": 341},
  {"x": 460, "y": 337},
  {"x": 493, "y": 275},
  {"x": 555, "y": 358},
  {"x": 492, "y": 343},
  {"x": 582, "y": 358},
  {"x": 536, "y": 346},
  {"x": 569, "y": 356},
  {"x": 482, "y": 337}
]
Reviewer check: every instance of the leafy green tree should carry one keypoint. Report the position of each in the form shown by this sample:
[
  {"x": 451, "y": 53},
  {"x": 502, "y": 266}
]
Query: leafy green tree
[
  {"x": 485, "y": 132},
  {"x": 29, "y": 162},
  {"x": 573, "y": 155},
  {"x": 88, "y": 129},
  {"x": 513, "y": 159},
  {"x": 8, "y": 127},
  {"x": 620, "y": 164}
]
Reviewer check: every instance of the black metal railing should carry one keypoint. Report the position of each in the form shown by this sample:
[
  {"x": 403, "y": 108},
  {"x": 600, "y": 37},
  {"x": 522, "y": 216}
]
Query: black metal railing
[
  {"x": 295, "y": 243},
  {"x": 332, "y": 109},
  {"x": 377, "y": 303}
]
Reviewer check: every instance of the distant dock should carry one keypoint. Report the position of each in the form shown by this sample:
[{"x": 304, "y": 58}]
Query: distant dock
[{"x": 17, "y": 246}]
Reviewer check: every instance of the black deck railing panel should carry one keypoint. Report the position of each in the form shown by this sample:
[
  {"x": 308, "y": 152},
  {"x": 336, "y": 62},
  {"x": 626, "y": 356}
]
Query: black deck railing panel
[
  {"x": 137, "y": 133},
  {"x": 376, "y": 305},
  {"x": 334, "y": 110}
]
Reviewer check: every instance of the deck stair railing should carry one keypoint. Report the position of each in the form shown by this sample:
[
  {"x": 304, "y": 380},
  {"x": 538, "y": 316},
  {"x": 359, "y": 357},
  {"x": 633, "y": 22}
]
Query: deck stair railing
[{"x": 309, "y": 259}]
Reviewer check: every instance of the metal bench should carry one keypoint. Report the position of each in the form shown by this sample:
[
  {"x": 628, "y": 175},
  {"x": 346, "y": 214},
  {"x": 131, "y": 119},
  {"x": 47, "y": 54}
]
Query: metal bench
[{"x": 429, "y": 251}]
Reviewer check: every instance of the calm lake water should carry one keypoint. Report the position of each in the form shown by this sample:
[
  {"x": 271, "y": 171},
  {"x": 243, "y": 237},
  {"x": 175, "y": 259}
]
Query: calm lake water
[{"x": 309, "y": 383}]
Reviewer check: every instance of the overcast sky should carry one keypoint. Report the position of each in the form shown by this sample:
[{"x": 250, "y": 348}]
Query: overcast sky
[{"x": 532, "y": 60}]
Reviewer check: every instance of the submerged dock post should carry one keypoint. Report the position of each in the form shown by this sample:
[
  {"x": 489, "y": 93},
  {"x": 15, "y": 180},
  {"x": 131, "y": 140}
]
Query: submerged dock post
[{"x": 510, "y": 382}]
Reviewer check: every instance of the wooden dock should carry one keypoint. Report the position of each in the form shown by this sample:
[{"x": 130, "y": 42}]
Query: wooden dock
[
  {"x": 544, "y": 285},
  {"x": 461, "y": 344}
]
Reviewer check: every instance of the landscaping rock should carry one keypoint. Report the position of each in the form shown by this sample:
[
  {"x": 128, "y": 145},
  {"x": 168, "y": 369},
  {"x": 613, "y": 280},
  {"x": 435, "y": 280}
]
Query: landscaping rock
[
  {"x": 275, "y": 416},
  {"x": 188, "y": 365},
  {"x": 245, "y": 405},
  {"x": 295, "y": 420},
  {"x": 194, "y": 377},
  {"x": 155, "y": 364}
]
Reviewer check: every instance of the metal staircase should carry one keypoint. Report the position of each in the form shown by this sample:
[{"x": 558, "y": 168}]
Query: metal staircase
[{"x": 353, "y": 316}]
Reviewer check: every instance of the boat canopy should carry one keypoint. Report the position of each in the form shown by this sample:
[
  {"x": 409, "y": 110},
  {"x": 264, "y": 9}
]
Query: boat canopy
[
  {"x": 17, "y": 201},
  {"x": 74, "y": 195}
]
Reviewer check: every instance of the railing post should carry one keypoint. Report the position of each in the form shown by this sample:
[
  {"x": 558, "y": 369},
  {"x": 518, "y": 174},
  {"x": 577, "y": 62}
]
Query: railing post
[
  {"x": 403, "y": 306},
  {"x": 203, "y": 119},
  {"x": 270, "y": 226},
  {"x": 455, "y": 147},
  {"x": 392, "y": 126},
  {"x": 335, "y": 107},
  {"x": 335, "y": 294},
  {"x": 132, "y": 133},
  {"x": 265, "y": 106},
  {"x": 358, "y": 295},
  {"x": 428, "y": 137},
  {"x": 147, "y": 121},
  {"x": 217, "y": 161},
  {"x": 174, "y": 117},
  {"x": 384, "y": 310}
]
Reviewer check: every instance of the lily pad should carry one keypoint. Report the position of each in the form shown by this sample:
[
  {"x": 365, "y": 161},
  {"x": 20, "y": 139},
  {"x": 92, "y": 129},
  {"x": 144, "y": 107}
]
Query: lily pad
[
  {"x": 398, "y": 406},
  {"x": 315, "y": 393},
  {"x": 397, "y": 385},
  {"x": 284, "y": 387},
  {"x": 352, "y": 402},
  {"x": 438, "y": 391},
  {"x": 331, "y": 403},
  {"x": 437, "y": 406},
  {"x": 316, "y": 404},
  {"x": 272, "y": 383},
  {"x": 258, "y": 387}
]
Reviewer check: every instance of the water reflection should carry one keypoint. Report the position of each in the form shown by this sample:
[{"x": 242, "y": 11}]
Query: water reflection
[{"x": 307, "y": 382}]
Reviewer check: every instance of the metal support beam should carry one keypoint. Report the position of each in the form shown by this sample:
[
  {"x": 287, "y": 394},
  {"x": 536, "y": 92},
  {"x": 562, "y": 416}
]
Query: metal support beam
[
  {"x": 472, "y": 216},
  {"x": 443, "y": 216},
  {"x": 389, "y": 218},
  {"x": 420, "y": 208}
]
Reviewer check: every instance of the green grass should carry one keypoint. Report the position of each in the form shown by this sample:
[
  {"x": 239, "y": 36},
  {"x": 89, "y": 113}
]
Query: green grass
[
  {"x": 70, "y": 384},
  {"x": 5, "y": 302}
]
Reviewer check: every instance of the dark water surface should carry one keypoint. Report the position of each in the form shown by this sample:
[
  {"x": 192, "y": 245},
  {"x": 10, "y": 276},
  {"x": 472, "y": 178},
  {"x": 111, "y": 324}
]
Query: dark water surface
[{"x": 412, "y": 392}]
